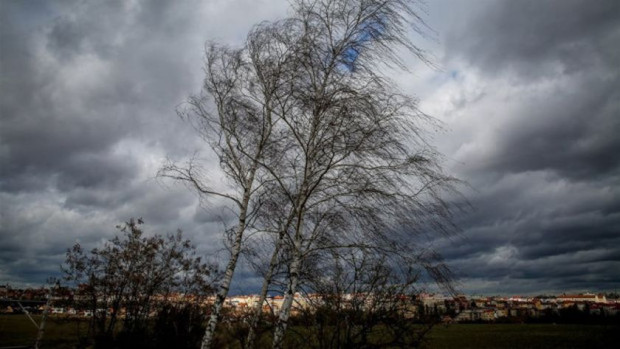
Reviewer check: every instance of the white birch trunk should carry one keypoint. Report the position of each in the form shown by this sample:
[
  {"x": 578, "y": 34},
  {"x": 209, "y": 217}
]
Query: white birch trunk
[
  {"x": 258, "y": 308},
  {"x": 207, "y": 340},
  {"x": 285, "y": 312},
  {"x": 41, "y": 327}
]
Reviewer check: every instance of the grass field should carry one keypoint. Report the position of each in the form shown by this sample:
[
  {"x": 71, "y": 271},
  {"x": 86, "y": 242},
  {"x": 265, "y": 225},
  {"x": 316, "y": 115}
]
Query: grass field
[
  {"x": 18, "y": 330},
  {"x": 482, "y": 336}
]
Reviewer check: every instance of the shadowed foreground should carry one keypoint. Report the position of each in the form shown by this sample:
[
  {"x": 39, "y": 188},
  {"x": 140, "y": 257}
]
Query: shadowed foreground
[
  {"x": 16, "y": 330},
  {"x": 481, "y": 336}
]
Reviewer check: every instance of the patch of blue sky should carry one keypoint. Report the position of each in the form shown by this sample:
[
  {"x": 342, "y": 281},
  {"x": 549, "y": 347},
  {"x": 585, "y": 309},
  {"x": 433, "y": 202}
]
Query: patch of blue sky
[{"x": 369, "y": 32}]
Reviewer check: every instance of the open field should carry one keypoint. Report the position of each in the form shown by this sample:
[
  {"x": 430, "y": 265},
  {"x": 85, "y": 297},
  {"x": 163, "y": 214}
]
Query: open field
[
  {"x": 18, "y": 330},
  {"x": 482, "y": 336}
]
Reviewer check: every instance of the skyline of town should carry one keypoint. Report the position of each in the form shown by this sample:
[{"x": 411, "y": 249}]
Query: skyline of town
[{"x": 456, "y": 308}]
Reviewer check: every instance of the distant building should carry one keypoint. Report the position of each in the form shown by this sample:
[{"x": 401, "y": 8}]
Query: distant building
[
  {"x": 594, "y": 298},
  {"x": 475, "y": 315}
]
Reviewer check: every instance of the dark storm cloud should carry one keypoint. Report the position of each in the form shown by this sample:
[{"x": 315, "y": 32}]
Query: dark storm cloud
[
  {"x": 564, "y": 55},
  {"x": 530, "y": 96},
  {"x": 571, "y": 131},
  {"x": 533, "y": 105},
  {"x": 89, "y": 91},
  {"x": 536, "y": 38},
  {"x": 57, "y": 120},
  {"x": 87, "y": 109}
]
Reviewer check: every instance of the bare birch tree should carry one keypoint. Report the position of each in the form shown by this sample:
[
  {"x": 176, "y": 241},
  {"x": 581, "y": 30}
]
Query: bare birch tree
[
  {"x": 322, "y": 150},
  {"x": 245, "y": 90},
  {"x": 129, "y": 274},
  {"x": 354, "y": 151}
]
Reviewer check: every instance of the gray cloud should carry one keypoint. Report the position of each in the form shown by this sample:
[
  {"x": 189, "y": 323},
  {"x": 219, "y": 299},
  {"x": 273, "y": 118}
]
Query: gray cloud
[
  {"x": 88, "y": 116},
  {"x": 530, "y": 96},
  {"x": 536, "y": 38}
]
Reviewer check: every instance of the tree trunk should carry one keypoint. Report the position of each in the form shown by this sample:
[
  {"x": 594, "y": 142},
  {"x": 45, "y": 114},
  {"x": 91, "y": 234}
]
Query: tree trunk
[
  {"x": 285, "y": 311},
  {"x": 207, "y": 340},
  {"x": 258, "y": 308},
  {"x": 41, "y": 329}
]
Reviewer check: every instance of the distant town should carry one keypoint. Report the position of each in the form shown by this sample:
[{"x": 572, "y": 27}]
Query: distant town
[{"x": 449, "y": 309}]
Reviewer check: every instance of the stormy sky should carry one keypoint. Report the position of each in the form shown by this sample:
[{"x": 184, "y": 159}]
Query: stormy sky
[{"x": 528, "y": 93}]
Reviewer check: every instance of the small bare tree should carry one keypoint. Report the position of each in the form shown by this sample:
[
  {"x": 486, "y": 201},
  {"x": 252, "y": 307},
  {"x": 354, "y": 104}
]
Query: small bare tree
[
  {"x": 134, "y": 274},
  {"x": 364, "y": 299}
]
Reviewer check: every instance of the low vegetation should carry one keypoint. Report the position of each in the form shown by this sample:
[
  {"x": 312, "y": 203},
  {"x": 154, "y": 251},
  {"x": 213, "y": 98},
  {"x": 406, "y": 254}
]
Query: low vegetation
[{"x": 17, "y": 330}]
